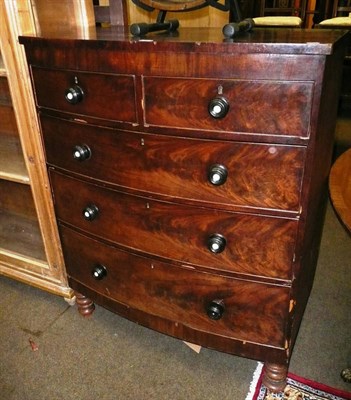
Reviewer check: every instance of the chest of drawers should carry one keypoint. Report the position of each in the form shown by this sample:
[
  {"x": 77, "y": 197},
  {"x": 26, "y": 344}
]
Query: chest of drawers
[{"x": 189, "y": 177}]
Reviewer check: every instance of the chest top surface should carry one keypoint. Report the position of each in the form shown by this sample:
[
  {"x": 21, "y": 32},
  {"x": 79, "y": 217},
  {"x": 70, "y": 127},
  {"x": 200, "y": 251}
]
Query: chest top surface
[{"x": 206, "y": 40}]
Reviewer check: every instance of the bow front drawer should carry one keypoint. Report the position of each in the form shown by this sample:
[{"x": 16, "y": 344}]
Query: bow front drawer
[
  {"x": 106, "y": 96},
  {"x": 244, "y": 243},
  {"x": 221, "y": 306},
  {"x": 266, "y": 107},
  {"x": 223, "y": 174}
]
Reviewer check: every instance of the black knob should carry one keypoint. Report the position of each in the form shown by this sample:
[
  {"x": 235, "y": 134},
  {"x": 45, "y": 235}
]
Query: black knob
[
  {"x": 217, "y": 174},
  {"x": 99, "y": 272},
  {"x": 90, "y": 212},
  {"x": 215, "y": 309},
  {"x": 74, "y": 94},
  {"x": 216, "y": 243},
  {"x": 218, "y": 107},
  {"x": 81, "y": 153}
]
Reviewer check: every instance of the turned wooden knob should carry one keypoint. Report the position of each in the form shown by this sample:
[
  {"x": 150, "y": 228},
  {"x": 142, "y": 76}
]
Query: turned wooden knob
[
  {"x": 74, "y": 94},
  {"x": 216, "y": 243},
  {"x": 215, "y": 310},
  {"x": 99, "y": 272},
  {"x": 217, "y": 174},
  {"x": 81, "y": 152},
  {"x": 218, "y": 107},
  {"x": 90, "y": 212}
]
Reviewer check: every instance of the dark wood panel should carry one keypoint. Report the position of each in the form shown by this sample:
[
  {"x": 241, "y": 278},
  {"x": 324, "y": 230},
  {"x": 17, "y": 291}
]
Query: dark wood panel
[
  {"x": 261, "y": 176},
  {"x": 12, "y": 163},
  {"x": 253, "y": 312},
  {"x": 315, "y": 193},
  {"x": 17, "y": 198},
  {"x": 8, "y": 124},
  {"x": 256, "y": 245},
  {"x": 178, "y": 63},
  {"x": 268, "y": 107},
  {"x": 5, "y": 95},
  {"x": 106, "y": 96},
  {"x": 21, "y": 235}
]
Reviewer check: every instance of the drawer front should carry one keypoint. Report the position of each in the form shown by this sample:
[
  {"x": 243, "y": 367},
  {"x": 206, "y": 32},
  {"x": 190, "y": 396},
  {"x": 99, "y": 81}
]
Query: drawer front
[
  {"x": 267, "y": 107},
  {"x": 252, "y": 312},
  {"x": 257, "y": 175},
  {"x": 203, "y": 237},
  {"x": 106, "y": 96}
]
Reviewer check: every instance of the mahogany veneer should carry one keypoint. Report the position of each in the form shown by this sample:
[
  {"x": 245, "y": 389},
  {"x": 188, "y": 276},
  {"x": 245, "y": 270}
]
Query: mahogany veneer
[{"x": 189, "y": 177}]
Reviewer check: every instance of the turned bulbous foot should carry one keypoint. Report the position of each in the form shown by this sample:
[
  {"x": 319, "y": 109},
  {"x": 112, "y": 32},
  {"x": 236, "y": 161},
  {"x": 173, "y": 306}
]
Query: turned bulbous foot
[
  {"x": 85, "y": 306},
  {"x": 274, "y": 377}
]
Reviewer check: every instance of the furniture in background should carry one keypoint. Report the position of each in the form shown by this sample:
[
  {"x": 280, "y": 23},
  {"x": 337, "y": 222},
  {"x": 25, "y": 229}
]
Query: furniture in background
[
  {"x": 190, "y": 177},
  {"x": 204, "y": 17},
  {"x": 281, "y": 13},
  {"x": 341, "y": 7},
  {"x": 208, "y": 16},
  {"x": 113, "y": 12},
  {"x": 77, "y": 15},
  {"x": 340, "y": 188},
  {"x": 340, "y": 194},
  {"x": 30, "y": 249},
  {"x": 164, "y": 7},
  {"x": 340, "y": 16},
  {"x": 313, "y": 13},
  {"x": 341, "y": 19}
]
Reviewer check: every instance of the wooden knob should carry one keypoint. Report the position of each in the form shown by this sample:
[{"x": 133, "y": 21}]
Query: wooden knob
[
  {"x": 99, "y": 272},
  {"x": 217, "y": 174},
  {"x": 216, "y": 243},
  {"x": 218, "y": 107},
  {"x": 90, "y": 212},
  {"x": 74, "y": 94},
  {"x": 215, "y": 309},
  {"x": 81, "y": 153}
]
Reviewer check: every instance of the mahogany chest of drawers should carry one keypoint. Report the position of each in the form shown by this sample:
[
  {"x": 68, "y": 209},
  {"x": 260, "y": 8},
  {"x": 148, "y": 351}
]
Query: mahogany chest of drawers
[{"x": 189, "y": 177}]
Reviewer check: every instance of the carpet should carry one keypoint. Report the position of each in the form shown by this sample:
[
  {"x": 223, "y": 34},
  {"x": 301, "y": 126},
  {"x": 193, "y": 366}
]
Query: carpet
[{"x": 297, "y": 389}]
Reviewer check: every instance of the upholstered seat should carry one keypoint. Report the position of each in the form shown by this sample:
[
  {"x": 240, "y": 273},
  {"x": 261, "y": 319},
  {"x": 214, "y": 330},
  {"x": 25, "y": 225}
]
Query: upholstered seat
[
  {"x": 284, "y": 21},
  {"x": 281, "y": 13},
  {"x": 337, "y": 21},
  {"x": 341, "y": 19}
]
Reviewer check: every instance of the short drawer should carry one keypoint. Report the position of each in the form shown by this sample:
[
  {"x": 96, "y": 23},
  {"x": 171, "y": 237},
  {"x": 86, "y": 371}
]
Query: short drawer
[
  {"x": 249, "y": 244},
  {"x": 248, "y": 175},
  {"x": 247, "y": 311},
  {"x": 266, "y": 107},
  {"x": 106, "y": 96}
]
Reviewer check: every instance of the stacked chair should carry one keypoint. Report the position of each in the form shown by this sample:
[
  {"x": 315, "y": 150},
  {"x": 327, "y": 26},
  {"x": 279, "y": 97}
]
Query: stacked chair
[
  {"x": 281, "y": 13},
  {"x": 340, "y": 18}
]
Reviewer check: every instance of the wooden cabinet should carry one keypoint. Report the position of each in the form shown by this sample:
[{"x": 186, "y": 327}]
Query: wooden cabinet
[
  {"x": 30, "y": 249},
  {"x": 189, "y": 177}
]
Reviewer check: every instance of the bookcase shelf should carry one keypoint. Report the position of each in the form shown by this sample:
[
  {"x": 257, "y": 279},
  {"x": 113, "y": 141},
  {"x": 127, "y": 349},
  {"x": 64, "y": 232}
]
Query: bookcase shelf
[{"x": 30, "y": 249}]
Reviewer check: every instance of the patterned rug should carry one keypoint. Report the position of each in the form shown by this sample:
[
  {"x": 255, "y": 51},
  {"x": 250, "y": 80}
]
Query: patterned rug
[{"x": 297, "y": 389}]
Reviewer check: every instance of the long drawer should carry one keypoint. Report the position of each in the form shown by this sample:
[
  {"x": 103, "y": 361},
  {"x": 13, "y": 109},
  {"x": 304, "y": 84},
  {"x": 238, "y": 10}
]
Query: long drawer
[
  {"x": 106, "y": 96},
  {"x": 256, "y": 175},
  {"x": 249, "y": 311},
  {"x": 217, "y": 240},
  {"x": 250, "y": 106}
]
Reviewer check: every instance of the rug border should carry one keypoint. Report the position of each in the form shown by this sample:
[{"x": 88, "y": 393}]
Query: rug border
[
  {"x": 259, "y": 383},
  {"x": 321, "y": 386},
  {"x": 314, "y": 384}
]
